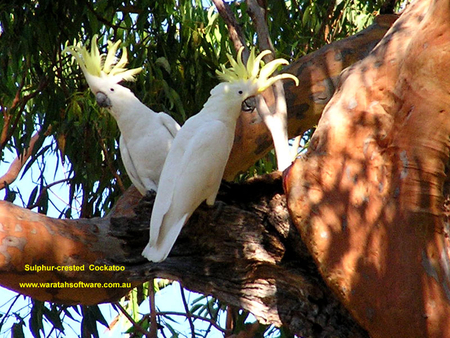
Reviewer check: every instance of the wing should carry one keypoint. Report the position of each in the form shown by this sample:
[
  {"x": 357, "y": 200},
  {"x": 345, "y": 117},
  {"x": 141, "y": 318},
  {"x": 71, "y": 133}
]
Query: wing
[
  {"x": 197, "y": 178},
  {"x": 168, "y": 122},
  {"x": 131, "y": 169},
  {"x": 167, "y": 183}
]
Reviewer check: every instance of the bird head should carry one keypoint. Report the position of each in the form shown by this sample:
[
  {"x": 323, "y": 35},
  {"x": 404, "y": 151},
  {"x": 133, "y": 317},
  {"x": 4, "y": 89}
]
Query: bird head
[
  {"x": 247, "y": 80},
  {"x": 103, "y": 72}
]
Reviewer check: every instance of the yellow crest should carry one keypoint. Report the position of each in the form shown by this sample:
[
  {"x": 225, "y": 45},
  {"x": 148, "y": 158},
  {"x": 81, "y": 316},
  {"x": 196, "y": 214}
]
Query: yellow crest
[
  {"x": 253, "y": 71},
  {"x": 103, "y": 65}
]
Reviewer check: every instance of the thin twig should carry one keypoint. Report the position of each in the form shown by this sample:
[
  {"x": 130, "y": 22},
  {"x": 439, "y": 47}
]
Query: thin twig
[
  {"x": 212, "y": 322},
  {"x": 6, "y": 315},
  {"x": 188, "y": 313},
  {"x": 213, "y": 317},
  {"x": 22, "y": 104},
  {"x": 257, "y": 13},
  {"x": 295, "y": 146},
  {"x": 6, "y": 133},
  {"x": 229, "y": 322},
  {"x": 234, "y": 29},
  {"x": 153, "y": 316},
  {"x": 132, "y": 321},
  {"x": 36, "y": 204},
  {"x": 108, "y": 161}
]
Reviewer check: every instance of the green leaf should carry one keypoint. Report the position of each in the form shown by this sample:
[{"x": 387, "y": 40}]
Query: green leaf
[
  {"x": 53, "y": 317},
  {"x": 91, "y": 316},
  {"x": 35, "y": 321},
  {"x": 97, "y": 315},
  {"x": 164, "y": 63},
  {"x": 32, "y": 198},
  {"x": 43, "y": 202}
]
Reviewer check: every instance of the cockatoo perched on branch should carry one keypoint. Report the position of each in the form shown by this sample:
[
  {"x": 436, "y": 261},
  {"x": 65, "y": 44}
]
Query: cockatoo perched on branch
[
  {"x": 195, "y": 164},
  {"x": 146, "y": 136}
]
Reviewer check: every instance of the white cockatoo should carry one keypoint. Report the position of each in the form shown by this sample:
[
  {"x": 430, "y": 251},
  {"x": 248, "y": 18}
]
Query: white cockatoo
[
  {"x": 195, "y": 164},
  {"x": 146, "y": 136}
]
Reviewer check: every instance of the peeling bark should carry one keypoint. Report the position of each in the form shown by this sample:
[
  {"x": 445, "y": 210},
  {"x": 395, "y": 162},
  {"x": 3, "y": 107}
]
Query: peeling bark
[{"x": 368, "y": 198}]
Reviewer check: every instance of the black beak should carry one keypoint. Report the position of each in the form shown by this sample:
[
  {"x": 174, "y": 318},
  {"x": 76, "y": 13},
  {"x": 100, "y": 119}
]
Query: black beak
[
  {"x": 103, "y": 100},
  {"x": 249, "y": 104}
]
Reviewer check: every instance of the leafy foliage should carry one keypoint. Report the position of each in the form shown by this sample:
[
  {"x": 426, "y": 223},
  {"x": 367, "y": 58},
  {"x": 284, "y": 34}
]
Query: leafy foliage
[{"x": 180, "y": 44}]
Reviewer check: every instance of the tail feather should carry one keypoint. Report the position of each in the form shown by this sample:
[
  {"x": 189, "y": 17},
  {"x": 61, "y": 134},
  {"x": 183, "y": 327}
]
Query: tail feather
[
  {"x": 153, "y": 254},
  {"x": 165, "y": 241},
  {"x": 156, "y": 225}
]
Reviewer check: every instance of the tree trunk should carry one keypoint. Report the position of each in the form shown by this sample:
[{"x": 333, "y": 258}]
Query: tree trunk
[
  {"x": 243, "y": 251},
  {"x": 367, "y": 200},
  {"x": 370, "y": 197}
]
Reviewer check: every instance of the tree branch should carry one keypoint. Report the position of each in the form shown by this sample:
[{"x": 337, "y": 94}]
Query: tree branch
[
  {"x": 249, "y": 256},
  {"x": 18, "y": 163},
  {"x": 210, "y": 321},
  {"x": 153, "y": 315},
  {"x": 274, "y": 117},
  {"x": 234, "y": 30},
  {"x": 19, "y": 104},
  {"x": 258, "y": 15},
  {"x": 7, "y": 114},
  {"x": 318, "y": 73}
]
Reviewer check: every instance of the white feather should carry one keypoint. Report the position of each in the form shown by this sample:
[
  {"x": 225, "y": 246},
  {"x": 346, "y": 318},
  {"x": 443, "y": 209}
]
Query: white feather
[
  {"x": 146, "y": 137},
  {"x": 132, "y": 171},
  {"x": 194, "y": 166}
]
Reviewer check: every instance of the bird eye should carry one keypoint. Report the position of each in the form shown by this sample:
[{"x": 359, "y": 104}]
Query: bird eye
[
  {"x": 111, "y": 89},
  {"x": 240, "y": 92}
]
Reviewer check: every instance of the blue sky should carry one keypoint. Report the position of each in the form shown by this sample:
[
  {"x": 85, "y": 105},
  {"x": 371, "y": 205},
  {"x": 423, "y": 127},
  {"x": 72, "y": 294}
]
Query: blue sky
[{"x": 168, "y": 299}]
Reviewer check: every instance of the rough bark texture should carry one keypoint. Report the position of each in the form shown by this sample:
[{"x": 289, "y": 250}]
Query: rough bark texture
[
  {"x": 318, "y": 73},
  {"x": 243, "y": 251},
  {"x": 370, "y": 200},
  {"x": 369, "y": 196}
]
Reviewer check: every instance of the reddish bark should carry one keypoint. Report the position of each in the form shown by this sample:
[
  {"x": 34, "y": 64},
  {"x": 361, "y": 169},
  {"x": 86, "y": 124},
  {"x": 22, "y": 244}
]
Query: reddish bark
[
  {"x": 368, "y": 197},
  {"x": 318, "y": 73},
  {"x": 245, "y": 253},
  {"x": 31, "y": 239},
  {"x": 266, "y": 259},
  {"x": 18, "y": 163}
]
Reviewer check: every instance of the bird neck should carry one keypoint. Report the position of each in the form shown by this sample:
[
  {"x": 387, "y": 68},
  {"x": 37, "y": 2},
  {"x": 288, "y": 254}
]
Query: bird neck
[{"x": 131, "y": 114}]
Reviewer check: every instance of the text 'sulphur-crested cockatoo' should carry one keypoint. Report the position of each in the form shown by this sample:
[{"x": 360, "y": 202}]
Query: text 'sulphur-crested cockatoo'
[
  {"x": 146, "y": 136},
  {"x": 195, "y": 164}
]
